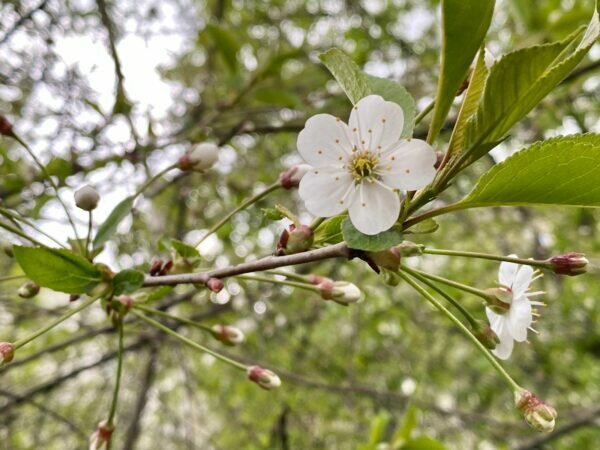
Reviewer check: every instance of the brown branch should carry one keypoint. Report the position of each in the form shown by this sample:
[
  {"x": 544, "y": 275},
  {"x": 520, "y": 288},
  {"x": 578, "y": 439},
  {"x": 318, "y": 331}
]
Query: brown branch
[{"x": 270, "y": 262}]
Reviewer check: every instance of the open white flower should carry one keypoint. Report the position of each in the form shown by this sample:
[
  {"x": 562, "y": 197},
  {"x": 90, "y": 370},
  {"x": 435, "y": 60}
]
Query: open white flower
[
  {"x": 362, "y": 166},
  {"x": 512, "y": 324}
]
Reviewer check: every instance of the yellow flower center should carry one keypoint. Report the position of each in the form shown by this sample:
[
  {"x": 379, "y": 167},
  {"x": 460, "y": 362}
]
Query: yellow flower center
[{"x": 363, "y": 165}]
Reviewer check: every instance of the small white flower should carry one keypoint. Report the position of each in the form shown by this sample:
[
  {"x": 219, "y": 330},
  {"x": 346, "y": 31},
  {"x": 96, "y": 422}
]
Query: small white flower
[
  {"x": 204, "y": 156},
  {"x": 360, "y": 167},
  {"x": 512, "y": 324}
]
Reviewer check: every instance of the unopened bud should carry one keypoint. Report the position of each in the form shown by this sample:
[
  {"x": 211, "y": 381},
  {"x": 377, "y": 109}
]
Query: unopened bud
[
  {"x": 538, "y": 414},
  {"x": 228, "y": 335},
  {"x": 201, "y": 157},
  {"x": 74, "y": 297},
  {"x": 408, "y": 249},
  {"x": 341, "y": 292},
  {"x": 7, "y": 352},
  {"x": 215, "y": 284},
  {"x": 28, "y": 290},
  {"x": 101, "y": 437},
  {"x": 499, "y": 299},
  {"x": 127, "y": 302},
  {"x": 388, "y": 259},
  {"x": 484, "y": 334},
  {"x": 87, "y": 198},
  {"x": 317, "y": 279},
  {"x": 263, "y": 377},
  {"x": 291, "y": 178},
  {"x": 570, "y": 264},
  {"x": 6, "y": 128},
  {"x": 295, "y": 240}
]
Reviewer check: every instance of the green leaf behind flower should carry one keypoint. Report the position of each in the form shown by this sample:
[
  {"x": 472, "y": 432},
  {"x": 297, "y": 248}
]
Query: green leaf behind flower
[{"x": 359, "y": 241}]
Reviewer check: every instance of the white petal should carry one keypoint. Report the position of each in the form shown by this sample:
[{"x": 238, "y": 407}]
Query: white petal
[
  {"x": 522, "y": 280},
  {"x": 496, "y": 320},
  {"x": 519, "y": 318},
  {"x": 507, "y": 273},
  {"x": 505, "y": 347},
  {"x": 374, "y": 208},
  {"x": 324, "y": 140},
  {"x": 384, "y": 120},
  {"x": 409, "y": 165},
  {"x": 323, "y": 190}
]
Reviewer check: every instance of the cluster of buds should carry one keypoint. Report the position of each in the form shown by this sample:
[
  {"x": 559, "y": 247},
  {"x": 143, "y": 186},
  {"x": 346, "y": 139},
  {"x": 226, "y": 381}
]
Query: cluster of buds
[
  {"x": 290, "y": 178},
  {"x": 201, "y": 157},
  {"x": 538, "y": 414},
  {"x": 228, "y": 335},
  {"x": 28, "y": 290},
  {"x": 571, "y": 264},
  {"x": 7, "y": 352},
  {"x": 159, "y": 267},
  {"x": 102, "y": 436},
  {"x": 484, "y": 334},
  {"x": 341, "y": 292},
  {"x": 87, "y": 198},
  {"x": 295, "y": 239},
  {"x": 215, "y": 285},
  {"x": 265, "y": 378}
]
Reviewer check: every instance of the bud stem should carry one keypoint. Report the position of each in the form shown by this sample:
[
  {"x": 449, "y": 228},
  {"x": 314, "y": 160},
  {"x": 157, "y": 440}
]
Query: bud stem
[
  {"x": 454, "y": 284},
  {"x": 187, "y": 341},
  {"x": 89, "y": 235},
  {"x": 166, "y": 315},
  {"x": 12, "y": 277},
  {"x": 305, "y": 285},
  {"x": 424, "y": 113},
  {"x": 115, "y": 398},
  {"x": 15, "y": 216},
  {"x": 55, "y": 322},
  {"x": 528, "y": 262},
  {"x": 151, "y": 180},
  {"x": 417, "y": 287},
  {"x": 243, "y": 206}
]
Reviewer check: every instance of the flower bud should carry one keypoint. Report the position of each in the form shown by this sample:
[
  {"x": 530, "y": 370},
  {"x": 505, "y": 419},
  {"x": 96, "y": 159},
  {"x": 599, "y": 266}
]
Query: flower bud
[
  {"x": 408, "y": 248},
  {"x": 127, "y": 303},
  {"x": 6, "y": 128},
  {"x": 571, "y": 264},
  {"x": 215, "y": 284},
  {"x": 295, "y": 240},
  {"x": 538, "y": 414},
  {"x": 74, "y": 297},
  {"x": 341, "y": 292},
  {"x": 499, "y": 299},
  {"x": 28, "y": 290},
  {"x": 7, "y": 351},
  {"x": 263, "y": 377},
  {"x": 291, "y": 178},
  {"x": 317, "y": 279},
  {"x": 87, "y": 198},
  {"x": 388, "y": 259},
  {"x": 201, "y": 157},
  {"x": 484, "y": 334},
  {"x": 102, "y": 436},
  {"x": 228, "y": 335}
]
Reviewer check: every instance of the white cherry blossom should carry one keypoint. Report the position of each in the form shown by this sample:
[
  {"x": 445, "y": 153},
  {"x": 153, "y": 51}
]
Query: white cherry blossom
[
  {"x": 512, "y": 324},
  {"x": 362, "y": 166}
]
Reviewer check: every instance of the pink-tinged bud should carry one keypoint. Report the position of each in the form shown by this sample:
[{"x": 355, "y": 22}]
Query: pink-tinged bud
[
  {"x": 159, "y": 267},
  {"x": 340, "y": 292},
  {"x": 87, "y": 198},
  {"x": 538, "y": 414},
  {"x": 291, "y": 178},
  {"x": 201, "y": 157},
  {"x": 127, "y": 303},
  {"x": 484, "y": 334},
  {"x": 6, "y": 128},
  {"x": 101, "y": 437},
  {"x": 215, "y": 284},
  {"x": 28, "y": 290},
  {"x": 263, "y": 377},
  {"x": 228, "y": 335},
  {"x": 7, "y": 351},
  {"x": 317, "y": 279},
  {"x": 499, "y": 299},
  {"x": 295, "y": 240},
  {"x": 74, "y": 297},
  {"x": 571, "y": 264},
  {"x": 388, "y": 259}
]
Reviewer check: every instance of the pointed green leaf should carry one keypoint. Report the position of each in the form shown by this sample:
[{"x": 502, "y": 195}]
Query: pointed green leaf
[
  {"x": 465, "y": 24},
  {"x": 226, "y": 43},
  {"x": 394, "y": 92},
  {"x": 108, "y": 228},
  {"x": 559, "y": 171},
  {"x": 57, "y": 269},
  {"x": 127, "y": 281},
  {"x": 375, "y": 243},
  {"x": 184, "y": 250},
  {"x": 423, "y": 443},
  {"x": 348, "y": 75},
  {"x": 330, "y": 231}
]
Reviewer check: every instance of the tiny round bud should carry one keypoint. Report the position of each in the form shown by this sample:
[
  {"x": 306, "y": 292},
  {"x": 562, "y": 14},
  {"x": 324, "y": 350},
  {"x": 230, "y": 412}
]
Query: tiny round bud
[
  {"x": 7, "y": 351},
  {"x": 484, "y": 334},
  {"x": 228, "y": 335},
  {"x": 215, "y": 284},
  {"x": 317, "y": 279},
  {"x": 301, "y": 239},
  {"x": 102, "y": 436},
  {"x": 6, "y": 128},
  {"x": 87, "y": 198},
  {"x": 201, "y": 157},
  {"x": 388, "y": 259},
  {"x": 263, "y": 377},
  {"x": 156, "y": 267},
  {"x": 538, "y": 414},
  {"x": 341, "y": 292},
  {"x": 291, "y": 178},
  {"x": 571, "y": 264},
  {"x": 28, "y": 290},
  {"x": 127, "y": 302}
]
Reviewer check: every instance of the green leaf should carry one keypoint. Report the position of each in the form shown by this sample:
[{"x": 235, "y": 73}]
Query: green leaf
[
  {"x": 330, "y": 230},
  {"x": 108, "y": 228},
  {"x": 465, "y": 24},
  {"x": 59, "y": 168},
  {"x": 348, "y": 75},
  {"x": 559, "y": 171},
  {"x": 394, "y": 92},
  {"x": 423, "y": 443},
  {"x": 57, "y": 269},
  {"x": 226, "y": 44},
  {"x": 277, "y": 97},
  {"x": 406, "y": 427},
  {"x": 519, "y": 81},
  {"x": 425, "y": 227},
  {"x": 377, "y": 433},
  {"x": 184, "y": 250},
  {"x": 127, "y": 281},
  {"x": 358, "y": 241}
]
